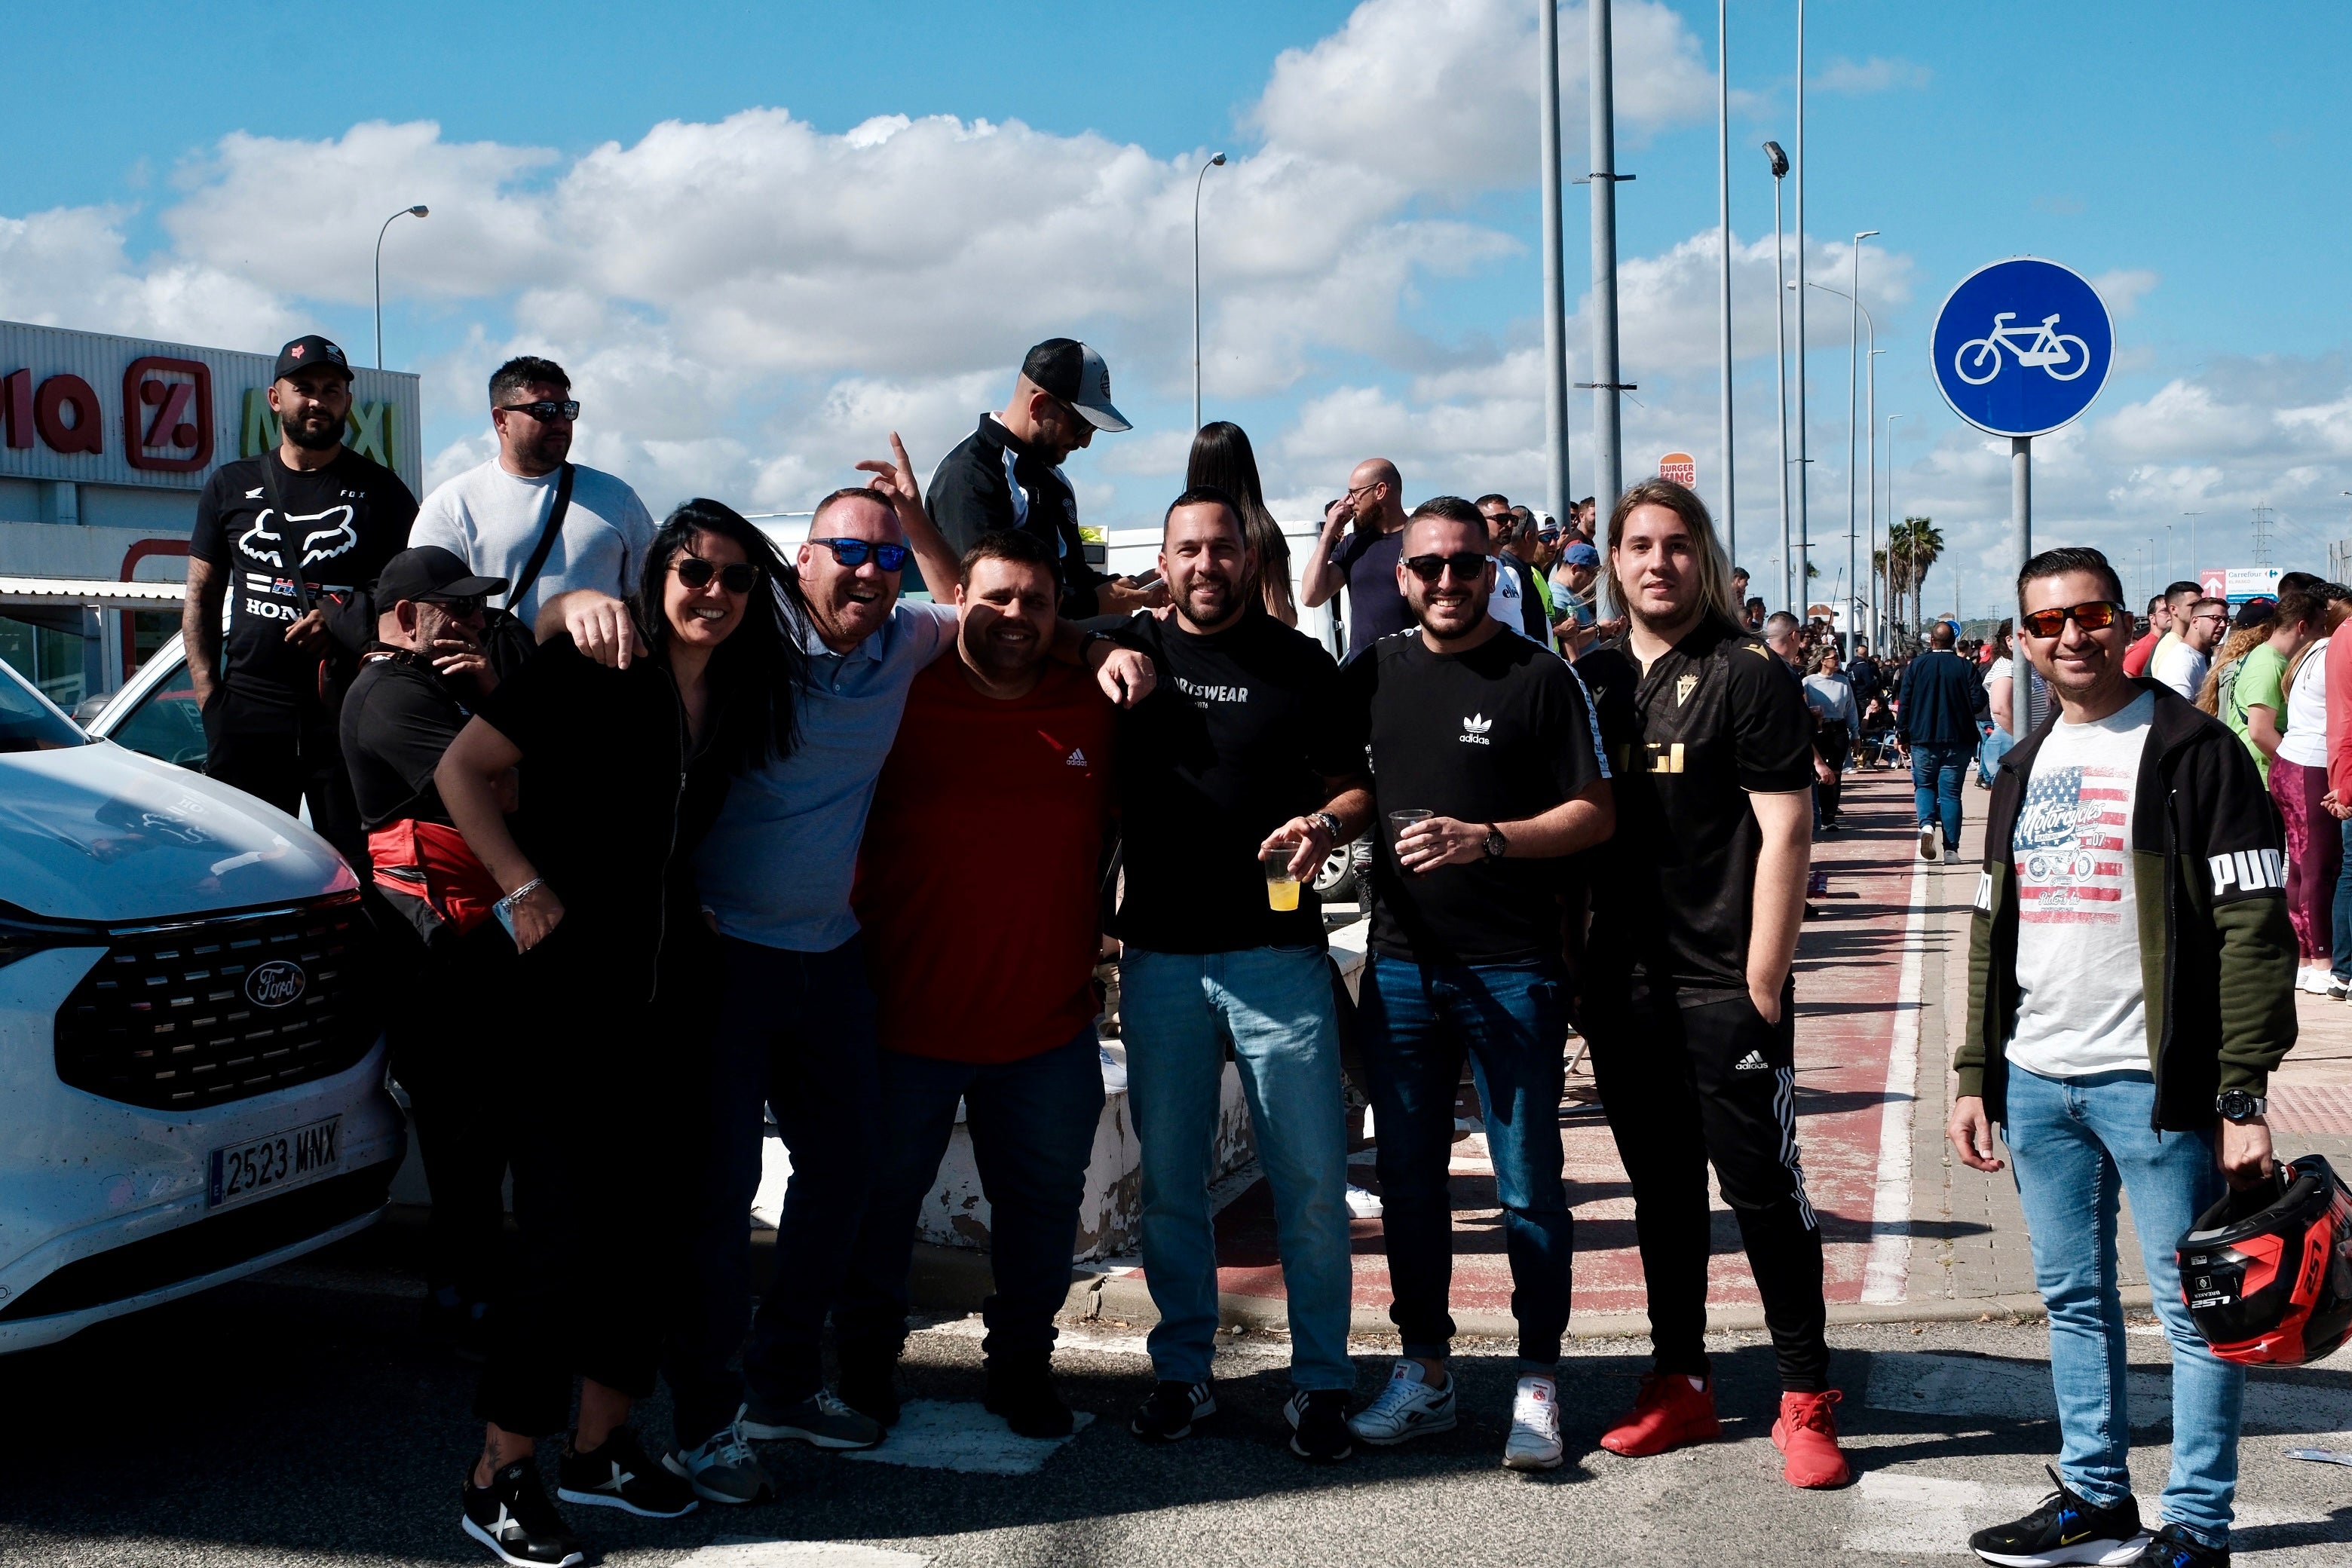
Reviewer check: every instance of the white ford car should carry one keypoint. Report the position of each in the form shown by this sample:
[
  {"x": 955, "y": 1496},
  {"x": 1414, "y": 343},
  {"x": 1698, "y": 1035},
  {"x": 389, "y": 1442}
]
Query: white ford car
[{"x": 192, "y": 1083}]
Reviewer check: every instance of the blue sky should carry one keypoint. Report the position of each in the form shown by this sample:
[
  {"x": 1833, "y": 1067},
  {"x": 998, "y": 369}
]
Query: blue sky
[{"x": 749, "y": 301}]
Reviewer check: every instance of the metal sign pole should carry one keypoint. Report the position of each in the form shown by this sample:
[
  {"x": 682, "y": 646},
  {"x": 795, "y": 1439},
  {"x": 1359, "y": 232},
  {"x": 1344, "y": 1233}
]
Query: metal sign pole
[{"x": 2020, "y": 517}]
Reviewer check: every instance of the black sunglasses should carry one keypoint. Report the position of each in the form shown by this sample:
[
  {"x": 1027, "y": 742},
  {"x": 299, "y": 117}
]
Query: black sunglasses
[
  {"x": 853, "y": 553},
  {"x": 2092, "y": 615},
  {"x": 460, "y": 609},
  {"x": 696, "y": 572},
  {"x": 1466, "y": 565},
  {"x": 568, "y": 409}
]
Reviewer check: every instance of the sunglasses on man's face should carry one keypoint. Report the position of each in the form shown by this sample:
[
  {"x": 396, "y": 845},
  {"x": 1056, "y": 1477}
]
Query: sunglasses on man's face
[
  {"x": 463, "y": 609},
  {"x": 2095, "y": 616},
  {"x": 696, "y": 572},
  {"x": 544, "y": 412},
  {"x": 1465, "y": 566},
  {"x": 853, "y": 553}
]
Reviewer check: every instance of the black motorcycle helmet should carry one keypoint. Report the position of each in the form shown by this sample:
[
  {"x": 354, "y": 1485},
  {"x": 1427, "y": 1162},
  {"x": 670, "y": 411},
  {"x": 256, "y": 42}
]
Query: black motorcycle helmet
[{"x": 2267, "y": 1273}]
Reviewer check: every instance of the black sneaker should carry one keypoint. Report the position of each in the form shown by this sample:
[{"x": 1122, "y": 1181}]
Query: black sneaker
[
  {"x": 513, "y": 1517},
  {"x": 1318, "y": 1425},
  {"x": 2176, "y": 1548},
  {"x": 1170, "y": 1411},
  {"x": 870, "y": 1385},
  {"x": 2065, "y": 1528},
  {"x": 618, "y": 1474},
  {"x": 1023, "y": 1392}
]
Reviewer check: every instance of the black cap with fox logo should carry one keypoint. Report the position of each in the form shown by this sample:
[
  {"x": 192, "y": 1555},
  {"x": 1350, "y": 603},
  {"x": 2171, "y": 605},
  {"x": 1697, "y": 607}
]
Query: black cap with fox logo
[{"x": 308, "y": 353}]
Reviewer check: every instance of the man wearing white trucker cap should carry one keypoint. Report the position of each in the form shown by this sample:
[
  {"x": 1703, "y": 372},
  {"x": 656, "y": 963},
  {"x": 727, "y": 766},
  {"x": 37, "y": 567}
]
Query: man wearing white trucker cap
[{"x": 1006, "y": 476}]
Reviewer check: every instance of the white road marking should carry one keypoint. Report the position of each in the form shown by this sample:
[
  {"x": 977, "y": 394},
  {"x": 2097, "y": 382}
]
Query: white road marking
[
  {"x": 1929, "y": 1515},
  {"x": 933, "y": 1434},
  {"x": 1886, "y": 1275},
  {"x": 1925, "y": 1383},
  {"x": 734, "y": 1552}
]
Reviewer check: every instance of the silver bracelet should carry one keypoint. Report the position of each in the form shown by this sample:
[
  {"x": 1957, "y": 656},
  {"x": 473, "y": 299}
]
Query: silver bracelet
[{"x": 520, "y": 894}]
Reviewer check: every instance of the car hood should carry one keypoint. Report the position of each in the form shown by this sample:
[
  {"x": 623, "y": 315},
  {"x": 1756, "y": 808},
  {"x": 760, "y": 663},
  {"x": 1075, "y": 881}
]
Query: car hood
[{"x": 101, "y": 833}]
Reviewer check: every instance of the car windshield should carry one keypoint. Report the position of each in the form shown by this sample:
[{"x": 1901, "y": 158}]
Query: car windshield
[{"x": 28, "y": 722}]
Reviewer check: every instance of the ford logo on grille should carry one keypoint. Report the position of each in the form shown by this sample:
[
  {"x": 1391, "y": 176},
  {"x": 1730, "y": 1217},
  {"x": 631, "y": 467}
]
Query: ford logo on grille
[{"x": 276, "y": 984}]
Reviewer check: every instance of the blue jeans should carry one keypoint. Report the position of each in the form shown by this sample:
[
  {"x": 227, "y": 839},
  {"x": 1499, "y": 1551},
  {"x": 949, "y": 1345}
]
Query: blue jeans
[
  {"x": 2077, "y": 1142},
  {"x": 1273, "y": 1007},
  {"x": 2342, "y": 966},
  {"x": 1511, "y": 1019},
  {"x": 1033, "y": 1125},
  {"x": 1992, "y": 749},
  {"x": 1936, "y": 770},
  {"x": 795, "y": 1033}
]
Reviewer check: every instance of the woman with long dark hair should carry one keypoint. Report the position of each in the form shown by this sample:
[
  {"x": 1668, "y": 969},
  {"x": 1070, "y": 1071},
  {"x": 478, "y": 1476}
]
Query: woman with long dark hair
[
  {"x": 1224, "y": 460},
  {"x": 621, "y": 771}
]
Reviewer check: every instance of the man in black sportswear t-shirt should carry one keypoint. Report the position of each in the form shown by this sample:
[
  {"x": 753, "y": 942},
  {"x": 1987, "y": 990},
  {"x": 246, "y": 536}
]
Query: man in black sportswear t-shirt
[
  {"x": 1484, "y": 741},
  {"x": 1240, "y": 758},
  {"x": 1688, "y": 1000},
  {"x": 418, "y": 683},
  {"x": 289, "y": 565}
]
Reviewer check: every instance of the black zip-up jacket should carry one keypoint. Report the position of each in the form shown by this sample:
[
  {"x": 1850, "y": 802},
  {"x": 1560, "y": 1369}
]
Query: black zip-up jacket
[
  {"x": 991, "y": 482},
  {"x": 2217, "y": 954}
]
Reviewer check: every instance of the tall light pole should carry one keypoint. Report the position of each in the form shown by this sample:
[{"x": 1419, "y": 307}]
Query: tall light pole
[
  {"x": 2192, "y": 517},
  {"x": 1213, "y": 163},
  {"x": 1779, "y": 165},
  {"x": 1869, "y": 325},
  {"x": 1870, "y": 469},
  {"x": 420, "y": 210},
  {"x": 1608, "y": 447},
  {"x": 1556, "y": 494},
  {"x": 1804, "y": 442},
  {"x": 1723, "y": 223},
  {"x": 1853, "y": 322},
  {"x": 1886, "y": 631}
]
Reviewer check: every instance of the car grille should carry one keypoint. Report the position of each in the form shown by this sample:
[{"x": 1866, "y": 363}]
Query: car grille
[{"x": 215, "y": 1011}]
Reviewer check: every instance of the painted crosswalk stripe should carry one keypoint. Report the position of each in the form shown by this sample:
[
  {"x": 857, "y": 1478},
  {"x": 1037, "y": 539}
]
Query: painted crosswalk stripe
[
  {"x": 1886, "y": 1274},
  {"x": 742, "y": 1552},
  {"x": 1925, "y": 1383},
  {"x": 935, "y": 1434}
]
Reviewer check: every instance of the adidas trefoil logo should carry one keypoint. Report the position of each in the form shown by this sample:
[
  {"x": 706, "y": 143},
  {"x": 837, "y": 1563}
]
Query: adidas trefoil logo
[
  {"x": 1474, "y": 730},
  {"x": 1752, "y": 1062}
]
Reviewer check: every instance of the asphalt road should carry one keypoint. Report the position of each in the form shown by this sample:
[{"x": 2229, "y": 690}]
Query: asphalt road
[{"x": 300, "y": 1419}]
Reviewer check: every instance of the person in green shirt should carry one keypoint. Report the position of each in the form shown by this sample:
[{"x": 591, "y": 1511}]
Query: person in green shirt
[{"x": 2255, "y": 707}]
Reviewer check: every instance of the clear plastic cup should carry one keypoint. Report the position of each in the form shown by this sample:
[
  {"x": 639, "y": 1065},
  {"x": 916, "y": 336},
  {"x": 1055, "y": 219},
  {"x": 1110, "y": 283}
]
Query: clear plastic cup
[
  {"x": 1281, "y": 886},
  {"x": 1402, "y": 820}
]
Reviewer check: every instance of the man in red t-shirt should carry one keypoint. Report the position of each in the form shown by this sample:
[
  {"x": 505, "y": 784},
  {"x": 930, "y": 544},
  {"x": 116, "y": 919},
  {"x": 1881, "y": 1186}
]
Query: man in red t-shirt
[{"x": 976, "y": 896}]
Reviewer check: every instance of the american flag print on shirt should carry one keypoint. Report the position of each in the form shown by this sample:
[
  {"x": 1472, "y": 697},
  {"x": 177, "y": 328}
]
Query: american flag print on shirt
[{"x": 2074, "y": 866}]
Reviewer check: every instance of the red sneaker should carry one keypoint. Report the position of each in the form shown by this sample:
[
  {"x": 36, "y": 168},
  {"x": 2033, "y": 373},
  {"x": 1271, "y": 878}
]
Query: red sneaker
[
  {"x": 1807, "y": 1434},
  {"x": 1667, "y": 1412}
]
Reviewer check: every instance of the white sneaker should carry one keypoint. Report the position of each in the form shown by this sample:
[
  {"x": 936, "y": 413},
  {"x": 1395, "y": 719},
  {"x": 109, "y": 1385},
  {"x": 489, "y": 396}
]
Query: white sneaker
[
  {"x": 1362, "y": 1205},
  {"x": 1408, "y": 1407},
  {"x": 1534, "y": 1426},
  {"x": 1931, "y": 841},
  {"x": 2316, "y": 981}
]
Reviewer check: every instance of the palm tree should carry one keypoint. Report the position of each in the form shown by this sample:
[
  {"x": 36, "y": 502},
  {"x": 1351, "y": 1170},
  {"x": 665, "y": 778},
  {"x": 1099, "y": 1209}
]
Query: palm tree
[{"x": 1913, "y": 546}]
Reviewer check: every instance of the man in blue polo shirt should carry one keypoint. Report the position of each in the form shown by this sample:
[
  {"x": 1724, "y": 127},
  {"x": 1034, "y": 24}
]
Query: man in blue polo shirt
[{"x": 796, "y": 1015}]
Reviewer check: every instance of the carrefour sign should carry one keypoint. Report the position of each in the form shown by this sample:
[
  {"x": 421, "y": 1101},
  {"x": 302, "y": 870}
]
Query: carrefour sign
[{"x": 93, "y": 409}]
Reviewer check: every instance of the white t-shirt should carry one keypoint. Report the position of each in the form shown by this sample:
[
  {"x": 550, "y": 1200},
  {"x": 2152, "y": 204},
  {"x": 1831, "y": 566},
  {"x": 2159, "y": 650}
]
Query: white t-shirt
[
  {"x": 2081, "y": 1008},
  {"x": 2178, "y": 666},
  {"x": 2001, "y": 668},
  {"x": 2306, "y": 742},
  {"x": 491, "y": 520}
]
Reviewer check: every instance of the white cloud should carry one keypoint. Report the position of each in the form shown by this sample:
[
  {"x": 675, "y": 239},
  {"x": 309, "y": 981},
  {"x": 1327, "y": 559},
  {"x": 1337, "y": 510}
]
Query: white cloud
[
  {"x": 2123, "y": 289},
  {"x": 1876, "y": 74}
]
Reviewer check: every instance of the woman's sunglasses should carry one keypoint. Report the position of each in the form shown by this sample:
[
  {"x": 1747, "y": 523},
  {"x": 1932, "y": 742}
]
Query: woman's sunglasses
[
  {"x": 2095, "y": 616},
  {"x": 696, "y": 572},
  {"x": 852, "y": 552},
  {"x": 1468, "y": 566}
]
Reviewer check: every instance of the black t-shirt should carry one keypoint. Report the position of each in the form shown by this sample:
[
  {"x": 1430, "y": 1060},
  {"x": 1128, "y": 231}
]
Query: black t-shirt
[
  {"x": 1235, "y": 740},
  {"x": 1375, "y": 608},
  {"x": 399, "y": 715},
  {"x": 1720, "y": 717},
  {"x": 343, "y": 522},
  {"x": 1500, "y": 734},
  {"x": 991, "y": 482}
]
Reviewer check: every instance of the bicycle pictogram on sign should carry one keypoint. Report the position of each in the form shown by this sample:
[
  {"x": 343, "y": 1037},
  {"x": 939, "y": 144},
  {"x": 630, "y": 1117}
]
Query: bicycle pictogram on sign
[
  {"x": 2042, "y": 322},
  {"x": 1980, "y": 360}
]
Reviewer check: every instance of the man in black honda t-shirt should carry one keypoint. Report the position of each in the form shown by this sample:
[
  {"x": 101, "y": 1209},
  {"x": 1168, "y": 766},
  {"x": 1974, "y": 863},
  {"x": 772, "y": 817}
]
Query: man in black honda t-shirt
[
  {"x": 1486, "y": 768},
  {"x": 1239, "y": 759},
  {"x": 289, "y": 538},
  {"x": 418, "y": 683},
  {"x": 1688, "y": 1000}
]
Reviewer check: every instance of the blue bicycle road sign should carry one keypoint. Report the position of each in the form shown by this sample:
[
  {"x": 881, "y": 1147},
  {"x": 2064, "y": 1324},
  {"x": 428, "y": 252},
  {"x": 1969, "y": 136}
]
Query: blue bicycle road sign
[{"x": 2021, "y": 347}]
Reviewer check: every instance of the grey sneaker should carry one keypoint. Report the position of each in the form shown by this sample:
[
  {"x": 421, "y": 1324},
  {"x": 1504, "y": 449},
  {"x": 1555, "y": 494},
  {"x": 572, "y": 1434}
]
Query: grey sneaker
[
  {"x": 723, "y": 1470},
  {"x": 820, "y": 1419}
]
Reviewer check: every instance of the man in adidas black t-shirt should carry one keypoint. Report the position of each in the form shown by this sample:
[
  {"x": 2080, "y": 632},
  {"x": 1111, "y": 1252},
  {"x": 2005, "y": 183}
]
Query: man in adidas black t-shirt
[
  {"x": 1240, "y": 758},
  {"x": 1688, "y": 1000},
  {"x": 1487, "y": 770}
]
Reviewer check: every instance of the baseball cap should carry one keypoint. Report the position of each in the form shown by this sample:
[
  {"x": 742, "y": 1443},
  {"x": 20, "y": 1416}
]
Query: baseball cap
[
  {"x": 427, "y": 574},
  {"x": 306, "y": 351},
  {"x": 1076, "y": 375},
  {"x": 1580, "y": 554}
]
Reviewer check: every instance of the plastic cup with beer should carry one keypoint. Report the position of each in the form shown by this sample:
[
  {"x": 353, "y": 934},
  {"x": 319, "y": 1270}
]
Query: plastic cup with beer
[{"x": 1281, "y": 886}]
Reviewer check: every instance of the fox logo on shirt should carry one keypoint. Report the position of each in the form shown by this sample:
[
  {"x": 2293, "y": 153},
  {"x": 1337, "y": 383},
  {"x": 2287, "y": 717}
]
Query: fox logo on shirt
[
  {"x": 319, "y": 543},
  {"x": 1474, "y": 730}
]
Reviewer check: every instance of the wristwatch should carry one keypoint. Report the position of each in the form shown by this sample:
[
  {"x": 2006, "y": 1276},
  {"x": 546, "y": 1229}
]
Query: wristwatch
[
  {"x": 1497, "y": 845},
  {"x": 2237, "y": 1105},
  {"x": 1330, "y": 824}
]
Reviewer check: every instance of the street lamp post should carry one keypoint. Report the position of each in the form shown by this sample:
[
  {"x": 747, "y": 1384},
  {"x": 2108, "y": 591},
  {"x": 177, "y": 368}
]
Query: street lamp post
[
  {"x": 1869, "y": 468},
  {"x": 1555, "y": 269},
  {"x": 1804, "y": 439},
  {"x": 1869, "y": 325},
  {"x": 1722, "y": 221},
  {"x": 1779, "y": 161},
  {"x": 1197, "y": 180},
  {"x": 1886, "y": 631},
  {"x": 420, "y": 210},
  {"x": 1852, "y": 410}
]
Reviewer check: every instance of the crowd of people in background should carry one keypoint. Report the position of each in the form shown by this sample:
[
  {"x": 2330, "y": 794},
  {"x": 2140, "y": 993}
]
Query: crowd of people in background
[{"x": 675, "y": 838}]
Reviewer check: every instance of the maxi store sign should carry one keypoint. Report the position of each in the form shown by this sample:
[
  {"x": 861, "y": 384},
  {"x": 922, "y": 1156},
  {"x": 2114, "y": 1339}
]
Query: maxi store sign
[{"x": 89, "y": 408}]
